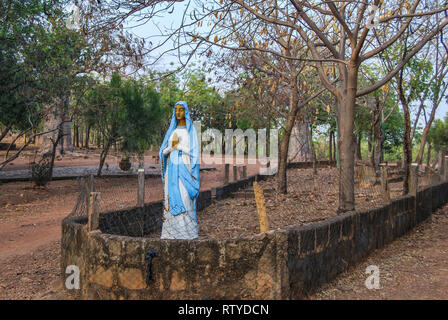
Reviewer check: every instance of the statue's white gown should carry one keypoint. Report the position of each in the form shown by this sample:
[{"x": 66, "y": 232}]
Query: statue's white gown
[{"x": 183, "y": 225}]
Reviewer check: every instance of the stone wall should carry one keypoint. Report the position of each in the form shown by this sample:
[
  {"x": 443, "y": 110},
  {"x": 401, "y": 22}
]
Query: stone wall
[{"x": 280, "y": 264}]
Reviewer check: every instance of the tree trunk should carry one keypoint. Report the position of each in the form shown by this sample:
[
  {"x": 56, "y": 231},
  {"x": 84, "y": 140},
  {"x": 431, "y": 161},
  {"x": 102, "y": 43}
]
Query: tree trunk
[
  {"x": 5, "y": 131},
  {"x": 284, "y": 145},
  {"x": 379, "y": 142},
  {"x": 299, "y": 147},
  {"x": 81, "y": 136},
  {"x": 378, "y": 137},
  {"x": 103, "y": 156},
  {"x": 52, "y": 121},
  {"x": 98, "y": 139},
  {"x": 313, "y": 150},
  {"x": 428, "y": 157},
  {"x": 76, "y": 134},
  {"x": 334, "y": 147},
  {"x": 86, "y": 143},
  {"x": 55, "y": 143},
  {"x": 370, "y": 147},
  {"x": 407, "y": 146},
  {"x": 358, "y": 147},
  {"x": 346, "y": 146},
  {"x": 330, "y": 146},
  {"x": 425, "y": 133},
  {"x": 67, "y": 141}
]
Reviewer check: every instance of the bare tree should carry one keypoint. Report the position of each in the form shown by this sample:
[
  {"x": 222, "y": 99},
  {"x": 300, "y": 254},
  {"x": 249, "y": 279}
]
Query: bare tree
[
  {"x": 292, "y": 77},
  {"x": 436, "y": 92}
]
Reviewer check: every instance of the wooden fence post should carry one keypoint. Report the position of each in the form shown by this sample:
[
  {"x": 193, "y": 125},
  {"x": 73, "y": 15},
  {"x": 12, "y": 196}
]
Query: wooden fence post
[
  {"x": 94, "y": 211},
  {"x": 226, "y": 173},
  {"x": 385, "y": 183},
  {"x": 261, "y": 208},
  {"x": 244, "y": 171},
  {"x": 141, "y": 188},
  {"x": 413, "y": 179},
  {"x": 235, "y": 173}
]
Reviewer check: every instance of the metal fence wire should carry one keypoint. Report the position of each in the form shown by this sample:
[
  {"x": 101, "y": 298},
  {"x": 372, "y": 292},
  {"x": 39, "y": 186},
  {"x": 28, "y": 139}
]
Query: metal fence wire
[
  {"x": 312, "y": 195},
  {"x": 119, "y": 199}
]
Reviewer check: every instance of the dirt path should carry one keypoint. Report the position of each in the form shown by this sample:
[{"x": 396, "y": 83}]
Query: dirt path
[{"x": 412, "y": 267}]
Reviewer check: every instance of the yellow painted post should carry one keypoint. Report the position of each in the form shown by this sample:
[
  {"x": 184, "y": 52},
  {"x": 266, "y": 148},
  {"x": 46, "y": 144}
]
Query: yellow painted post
[{"x": 261, "y": 208}]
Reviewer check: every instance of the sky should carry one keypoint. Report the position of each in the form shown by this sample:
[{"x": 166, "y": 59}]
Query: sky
[{"x": 151, "y": 31}]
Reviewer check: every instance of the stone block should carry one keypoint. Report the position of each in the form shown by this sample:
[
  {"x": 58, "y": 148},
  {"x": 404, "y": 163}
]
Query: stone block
[
  {"x": 133, "y": 253},
  {"x": 379, "y": 235},
  {"x": 347, "y": 226},
  {"x": 322, "y": 234},
  {"x": 307, "y": 239},
  {"x": 335, "y": 230},
  {"x": 102, "y": 276},
  {"x": 132, "y": 278},
  {"x": 362, "y": 244},
  {"x": 396, "y": 227},
  {"x": 304, "y": 283},
  {"x": 329, "y": 257},
  {"x": 178, "y": 282}
]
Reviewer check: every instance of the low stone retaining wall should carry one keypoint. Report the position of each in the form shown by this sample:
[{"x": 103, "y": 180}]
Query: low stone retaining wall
[{"x": 280, "y": 264}]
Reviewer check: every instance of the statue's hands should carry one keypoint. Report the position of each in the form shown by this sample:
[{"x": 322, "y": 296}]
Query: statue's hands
[{"x": 175, "y": 140}]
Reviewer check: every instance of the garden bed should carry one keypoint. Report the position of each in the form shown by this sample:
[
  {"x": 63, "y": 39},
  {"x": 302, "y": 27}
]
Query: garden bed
[{"x": 310, "y": 198}]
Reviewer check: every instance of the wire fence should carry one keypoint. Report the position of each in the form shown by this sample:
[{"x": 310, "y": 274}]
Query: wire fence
[
  {"x": 313, "y": 195},
  {"x": 119, "y": 198}
]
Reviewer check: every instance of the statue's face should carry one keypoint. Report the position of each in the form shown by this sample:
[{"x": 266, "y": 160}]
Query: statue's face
[{"x": 180, "y": 112}]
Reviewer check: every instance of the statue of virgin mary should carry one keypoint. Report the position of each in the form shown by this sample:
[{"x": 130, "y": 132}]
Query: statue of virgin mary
[{"x": 179, "y": 159}]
